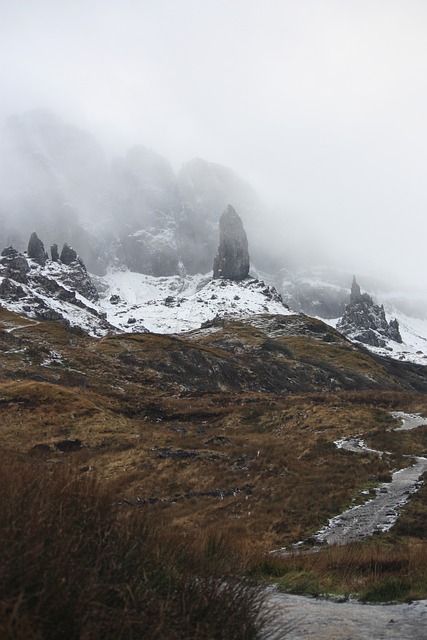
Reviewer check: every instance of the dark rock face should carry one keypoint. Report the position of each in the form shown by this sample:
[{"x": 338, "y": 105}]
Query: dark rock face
[
  {"x": 232, "y": 261},
  {"x": 10, "y": 290},
  {"x": 14, "y": 265},
  {"x": 64, "y": 283},
  {"x": 68, "y": 255},
  {"x": 205, "y": 189},
  {"x": 36, "y": 249},
  {"x": 365, "y": 321}
]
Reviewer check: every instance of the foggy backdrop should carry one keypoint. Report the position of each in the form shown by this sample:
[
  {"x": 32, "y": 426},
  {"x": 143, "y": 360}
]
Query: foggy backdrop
[{"x": 320, "y": 105}]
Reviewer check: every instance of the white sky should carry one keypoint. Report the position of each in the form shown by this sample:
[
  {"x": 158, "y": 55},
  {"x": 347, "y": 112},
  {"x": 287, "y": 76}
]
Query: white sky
[{"x": 320, "y": 104}]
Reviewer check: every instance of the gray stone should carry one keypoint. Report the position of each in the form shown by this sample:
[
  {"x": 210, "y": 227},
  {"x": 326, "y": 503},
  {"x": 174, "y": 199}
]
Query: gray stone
[
  {"x": 36, "y": 250},
  {"x": 232, "y": 261},
  {"x": 54, "y": 253},
  {"x": 68, "y": 255},
  {"x": 366, "y": 322}
]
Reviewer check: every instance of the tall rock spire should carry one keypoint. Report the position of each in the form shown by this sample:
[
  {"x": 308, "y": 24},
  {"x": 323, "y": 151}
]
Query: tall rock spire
[{"x": 232, "y": 261}]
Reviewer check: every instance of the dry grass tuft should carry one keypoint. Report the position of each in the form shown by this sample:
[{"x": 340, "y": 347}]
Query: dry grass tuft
[{"x": 73, "y": 565}]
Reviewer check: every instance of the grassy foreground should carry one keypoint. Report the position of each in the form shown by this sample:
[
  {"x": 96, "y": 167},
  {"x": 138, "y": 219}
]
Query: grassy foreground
[
  {"x": 74, "y": 565},
  {"x": 218, "y": 447}
]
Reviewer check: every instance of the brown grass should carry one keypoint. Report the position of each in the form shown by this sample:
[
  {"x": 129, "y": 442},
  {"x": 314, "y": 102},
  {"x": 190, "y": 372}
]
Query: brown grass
[
  {"x": 277, "y": 451},
  {"x": 374, "y": 571},
  {"x": 74, "y": 565}
]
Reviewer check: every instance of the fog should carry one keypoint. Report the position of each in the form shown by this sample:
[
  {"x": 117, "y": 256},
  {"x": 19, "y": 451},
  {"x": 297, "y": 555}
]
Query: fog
[{"x": 320, "y": 105}]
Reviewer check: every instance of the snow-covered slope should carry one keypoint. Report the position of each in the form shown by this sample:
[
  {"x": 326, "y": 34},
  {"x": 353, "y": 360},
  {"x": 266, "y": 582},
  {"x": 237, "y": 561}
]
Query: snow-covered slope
[
  {"x": 128, "y": 301},
  {"x": 324, "y": 292},
  {"x": 48, "y": 293},
  {"x": 175, "y": 304},
  {"x": 133, "y": 302},
  {"x": 414, "y": 339}
]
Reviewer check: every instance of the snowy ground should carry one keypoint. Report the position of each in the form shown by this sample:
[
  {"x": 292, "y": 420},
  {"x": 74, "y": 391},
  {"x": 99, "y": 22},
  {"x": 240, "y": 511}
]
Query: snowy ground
[
  {"x": 414, "y": 336},
  {"x": 133, "y": 301}
]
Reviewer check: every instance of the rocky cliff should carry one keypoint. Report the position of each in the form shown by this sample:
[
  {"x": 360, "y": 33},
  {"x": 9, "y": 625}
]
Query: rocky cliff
[{"x": 58, "y": 289}]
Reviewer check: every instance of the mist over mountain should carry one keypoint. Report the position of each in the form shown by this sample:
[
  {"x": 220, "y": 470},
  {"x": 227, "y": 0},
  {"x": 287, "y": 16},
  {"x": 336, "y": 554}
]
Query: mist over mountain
[
  {"x": 133, "y": 211},
  {"x": 136, "y": 212}
]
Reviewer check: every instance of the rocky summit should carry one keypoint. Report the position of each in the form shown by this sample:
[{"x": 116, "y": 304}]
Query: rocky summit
[
  {"x": 232, "y": 261},
  {"x": 366, "y": 322},
  {"x": 44, "y": 289}
]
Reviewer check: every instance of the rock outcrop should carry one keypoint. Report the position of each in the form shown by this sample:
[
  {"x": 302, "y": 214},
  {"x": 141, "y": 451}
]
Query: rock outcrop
[
  {"x": 49, "y": 289},
  {"x": 36, "y": 249},
  {"x": 14, "y": 265},
  {"x": 68, "y": 255},
  {"x": 366, "y": 322},
  {"x": 232, "y": 261},
  {"x": 54, "y": 252}
]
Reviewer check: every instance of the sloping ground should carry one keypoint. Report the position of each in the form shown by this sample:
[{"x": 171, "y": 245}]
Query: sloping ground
[{"x": 231, "y": 426}]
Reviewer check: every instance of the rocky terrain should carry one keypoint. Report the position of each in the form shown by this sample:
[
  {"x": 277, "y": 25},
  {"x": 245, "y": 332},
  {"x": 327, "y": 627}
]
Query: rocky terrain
[
  {"x": 58, "y": 289},
  {"x": 366, "y": 322}
]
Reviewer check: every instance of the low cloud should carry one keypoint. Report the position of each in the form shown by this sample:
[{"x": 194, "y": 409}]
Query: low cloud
[{"x": 320, "y": 106}]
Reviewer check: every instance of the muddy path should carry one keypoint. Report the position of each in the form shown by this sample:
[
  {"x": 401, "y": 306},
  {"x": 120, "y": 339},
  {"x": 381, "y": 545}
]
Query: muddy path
[
  {"x": 380, "y": 513},
  {"x": 301, "y": 618}
]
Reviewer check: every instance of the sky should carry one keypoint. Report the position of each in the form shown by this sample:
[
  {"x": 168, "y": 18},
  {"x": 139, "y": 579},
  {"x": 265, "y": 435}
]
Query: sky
[{"x": 320, "y": 104}]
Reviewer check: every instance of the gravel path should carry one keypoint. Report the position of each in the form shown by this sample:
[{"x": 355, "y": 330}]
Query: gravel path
[
  {"x": 378, "y": 514},
  {"x": 300, "y": 618}
]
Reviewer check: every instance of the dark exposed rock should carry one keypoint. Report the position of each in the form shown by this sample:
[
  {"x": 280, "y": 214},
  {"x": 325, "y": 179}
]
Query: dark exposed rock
[
  {"x": 50, "y": 314},
  {"x": 167, "y": 452},
  {"x": 232, "y": 261},
  {"x": 36, "y": 249},
  {"x": 10, "y": 290},
  {"x": 14, "y": 265},
  {"x": 68, "y": 255},
  {"x": 67, "y": 446},
  {"x": 9, "y": 252},
  {"x": 394, "y": 330},
  {"x": 77, "y": 279},
  {"x": 365, "y": 321},
  {"x": 54, "y": 253},
  {"x": 47, "y": 284}
]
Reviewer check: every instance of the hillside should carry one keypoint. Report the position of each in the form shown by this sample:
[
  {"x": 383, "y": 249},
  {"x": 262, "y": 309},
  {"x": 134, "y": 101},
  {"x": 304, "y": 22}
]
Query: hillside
[{"x": 229, "y": 425}]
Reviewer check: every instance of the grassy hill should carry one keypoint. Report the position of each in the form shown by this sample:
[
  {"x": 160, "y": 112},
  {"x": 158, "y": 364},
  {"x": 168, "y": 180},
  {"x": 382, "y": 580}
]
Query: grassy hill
[{"x": 227, "y": 432}]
